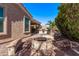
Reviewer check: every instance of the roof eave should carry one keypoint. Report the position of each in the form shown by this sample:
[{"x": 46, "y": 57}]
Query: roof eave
[{"x": 26, "y": 11}]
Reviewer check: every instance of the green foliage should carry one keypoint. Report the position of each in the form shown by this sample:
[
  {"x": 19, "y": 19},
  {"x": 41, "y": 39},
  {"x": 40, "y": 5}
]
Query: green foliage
[
  {"x": 51, "y": 24},
  {"x": 68, "y": 20}
]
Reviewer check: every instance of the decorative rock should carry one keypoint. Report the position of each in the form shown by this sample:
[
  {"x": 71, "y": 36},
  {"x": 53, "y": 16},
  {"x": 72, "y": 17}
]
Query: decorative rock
[
  {"x": 27, "y": 44},
  {"x": 35, "y": 52},
  {"x": 42, "y": 48},
  {"x": 35, "y": 44},
  {"x": 39, "y": 46}
]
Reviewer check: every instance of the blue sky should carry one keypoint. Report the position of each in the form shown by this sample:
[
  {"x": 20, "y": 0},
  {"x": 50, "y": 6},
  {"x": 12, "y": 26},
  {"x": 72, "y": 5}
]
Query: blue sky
[{"x": 43, "y": 12}]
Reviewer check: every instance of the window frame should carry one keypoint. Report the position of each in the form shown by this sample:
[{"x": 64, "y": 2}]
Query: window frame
[
  {"x": 4, "y": 22},
  {"x": 24, "y": 25}
]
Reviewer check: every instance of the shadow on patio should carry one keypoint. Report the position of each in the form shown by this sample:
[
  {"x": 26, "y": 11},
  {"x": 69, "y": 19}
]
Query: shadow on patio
[{"x": 65, "y": 46}]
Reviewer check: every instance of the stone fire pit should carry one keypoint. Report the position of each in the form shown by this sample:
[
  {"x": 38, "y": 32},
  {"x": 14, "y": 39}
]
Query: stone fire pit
[{"x": 40, "y": 39}]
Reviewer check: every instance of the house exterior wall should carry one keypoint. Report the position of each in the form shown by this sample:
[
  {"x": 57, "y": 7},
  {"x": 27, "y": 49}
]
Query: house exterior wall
[{"x": 13, "y": 22}]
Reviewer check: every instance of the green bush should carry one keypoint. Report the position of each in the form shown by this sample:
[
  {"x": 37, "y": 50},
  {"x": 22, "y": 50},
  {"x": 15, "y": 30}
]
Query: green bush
[{"x": 67, "y": 20}]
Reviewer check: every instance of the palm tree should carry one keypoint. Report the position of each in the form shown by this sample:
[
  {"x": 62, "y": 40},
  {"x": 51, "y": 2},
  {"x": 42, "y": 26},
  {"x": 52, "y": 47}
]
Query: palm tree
[{"x": 51, "y": 25}]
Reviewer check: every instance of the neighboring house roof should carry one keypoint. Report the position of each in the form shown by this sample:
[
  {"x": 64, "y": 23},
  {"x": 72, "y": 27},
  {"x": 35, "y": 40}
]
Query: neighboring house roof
[{"x": 35, "y": 21}]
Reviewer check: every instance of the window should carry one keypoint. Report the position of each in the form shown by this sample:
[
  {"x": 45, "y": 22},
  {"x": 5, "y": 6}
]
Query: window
[
  {"x": 1, "y": 19},
  {"x": 26, "y": 25}
]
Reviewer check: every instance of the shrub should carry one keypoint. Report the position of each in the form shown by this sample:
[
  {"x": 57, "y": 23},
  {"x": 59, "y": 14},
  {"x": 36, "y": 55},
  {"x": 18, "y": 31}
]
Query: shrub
[{"x": 67, "y": 20}]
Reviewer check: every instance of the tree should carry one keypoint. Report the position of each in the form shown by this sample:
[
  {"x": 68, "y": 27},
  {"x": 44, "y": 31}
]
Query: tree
[
  {"x": 51, "y": 24},
  {"x": 68, "y": 20}
]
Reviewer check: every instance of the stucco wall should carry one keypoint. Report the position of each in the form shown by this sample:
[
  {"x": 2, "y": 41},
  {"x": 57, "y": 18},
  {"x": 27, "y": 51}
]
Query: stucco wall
[{"x": 14, "y": 25}]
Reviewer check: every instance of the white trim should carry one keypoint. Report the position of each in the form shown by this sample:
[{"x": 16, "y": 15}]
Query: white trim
[{"x": 24, "y": 25}]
